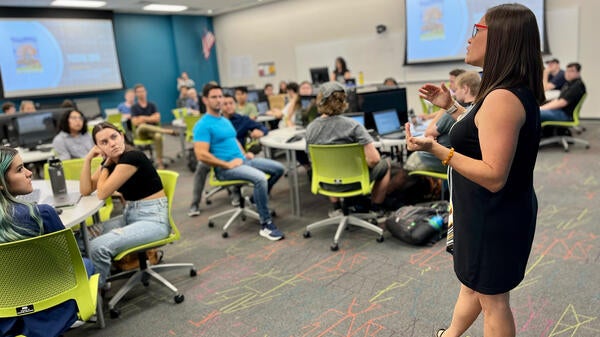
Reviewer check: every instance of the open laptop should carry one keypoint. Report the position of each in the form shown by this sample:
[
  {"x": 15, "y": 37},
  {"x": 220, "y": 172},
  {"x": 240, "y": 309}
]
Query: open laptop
[
  {"x": 262, "y": 107},
  {"x": 388, "y": 124},
  {"x": 60, "y": 196},
  {"x": 359, "y": 117}
]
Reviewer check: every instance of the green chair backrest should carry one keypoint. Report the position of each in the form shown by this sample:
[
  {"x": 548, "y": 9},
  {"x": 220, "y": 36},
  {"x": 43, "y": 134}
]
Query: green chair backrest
[
  {"x": 190, "y": 121},
  {"x": 169, "y": 181},
  {"x": 72, "y": 168},
  {"x": 427, "y": 107},
  {"x": 116, "y": 120},
  {"x": 179, "y": 113},
  {"x": 339, "y": 165},
  {"x": 41, "y": 272}
]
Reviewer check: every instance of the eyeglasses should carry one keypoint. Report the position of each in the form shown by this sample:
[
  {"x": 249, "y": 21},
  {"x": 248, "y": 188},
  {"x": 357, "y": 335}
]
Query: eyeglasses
[{"x": 476, "y": 28}]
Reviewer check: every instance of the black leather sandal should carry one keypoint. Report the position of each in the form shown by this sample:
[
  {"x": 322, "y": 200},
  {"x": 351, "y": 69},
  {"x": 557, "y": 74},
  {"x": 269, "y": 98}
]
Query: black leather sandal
[{"x": 440, "y": 332}]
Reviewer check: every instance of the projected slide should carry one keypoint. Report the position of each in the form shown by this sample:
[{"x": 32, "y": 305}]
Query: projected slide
[
  {"x": 57, "y": 56},
  {"x": 438, "y": 30}
]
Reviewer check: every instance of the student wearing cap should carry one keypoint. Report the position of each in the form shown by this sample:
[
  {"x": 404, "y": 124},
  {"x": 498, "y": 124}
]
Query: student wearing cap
[
  {"x": 333, "y": 128},
  {"x": 554, "y": 77}
]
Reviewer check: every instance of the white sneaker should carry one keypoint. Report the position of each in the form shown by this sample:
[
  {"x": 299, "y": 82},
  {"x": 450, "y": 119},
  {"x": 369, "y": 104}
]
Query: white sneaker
[{"x": 335, "y": 212}]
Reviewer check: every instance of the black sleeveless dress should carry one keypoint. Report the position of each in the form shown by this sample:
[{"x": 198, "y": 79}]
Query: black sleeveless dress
[{"x": 493, "y": 232}]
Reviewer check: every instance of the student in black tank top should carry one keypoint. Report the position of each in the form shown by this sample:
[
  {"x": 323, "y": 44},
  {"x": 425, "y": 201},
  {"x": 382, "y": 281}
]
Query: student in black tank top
[
  {"x": 491, "y": 162},
  {"x": 128, "y": 171}
]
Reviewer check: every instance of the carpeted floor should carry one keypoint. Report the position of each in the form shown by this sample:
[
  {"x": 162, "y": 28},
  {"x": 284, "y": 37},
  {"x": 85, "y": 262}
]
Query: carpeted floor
[{"x": 249, "y": 286}]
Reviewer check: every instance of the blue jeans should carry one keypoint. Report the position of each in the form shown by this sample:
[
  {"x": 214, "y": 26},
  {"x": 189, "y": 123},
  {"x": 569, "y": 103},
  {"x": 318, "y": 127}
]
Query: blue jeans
[
  {"x": 553, "y": 115},
  {"x": 143, "y": 221},
  {"x": 254, "y": 171}
]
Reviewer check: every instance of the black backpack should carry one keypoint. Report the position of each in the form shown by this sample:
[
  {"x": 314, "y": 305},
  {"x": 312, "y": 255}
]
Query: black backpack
[{"x": 420, "y": 224}]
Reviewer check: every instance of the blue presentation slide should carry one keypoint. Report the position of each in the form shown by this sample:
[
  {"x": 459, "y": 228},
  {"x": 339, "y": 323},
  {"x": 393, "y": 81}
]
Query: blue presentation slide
[
  {"x": 57, "y": 56},
  {"x": 438, "y": 30}
]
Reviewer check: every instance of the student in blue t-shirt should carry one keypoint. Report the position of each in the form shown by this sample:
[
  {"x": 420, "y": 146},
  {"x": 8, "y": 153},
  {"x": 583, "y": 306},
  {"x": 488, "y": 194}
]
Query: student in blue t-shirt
[
  {"x": 21, "y": 220},
  {"x": 215, "y": 144}
]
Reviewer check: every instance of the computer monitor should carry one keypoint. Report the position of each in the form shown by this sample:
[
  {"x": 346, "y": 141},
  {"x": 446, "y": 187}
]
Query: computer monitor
[
  {"x": 319, "y": 75},
  {"x": 394, "y": 98},
  {"x": 228, "y": 91},
  {"x": 253, "y": 96},
  {"x": 89, "y": 107},
  {"x": 35, "y": 129},
  {"x": 350, "y": 82},
  {"x": 306, "y": 100}
]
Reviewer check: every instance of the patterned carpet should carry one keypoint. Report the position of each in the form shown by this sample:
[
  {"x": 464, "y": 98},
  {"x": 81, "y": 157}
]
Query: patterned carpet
[{"x": 248, "y": 286}]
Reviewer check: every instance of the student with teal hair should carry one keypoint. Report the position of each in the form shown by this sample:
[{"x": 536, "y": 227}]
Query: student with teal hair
[{"x": 21, "y": 220}]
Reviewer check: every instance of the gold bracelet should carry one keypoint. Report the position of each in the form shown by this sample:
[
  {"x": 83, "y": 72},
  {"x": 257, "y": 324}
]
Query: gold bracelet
[{"x": 450, "y": 154}]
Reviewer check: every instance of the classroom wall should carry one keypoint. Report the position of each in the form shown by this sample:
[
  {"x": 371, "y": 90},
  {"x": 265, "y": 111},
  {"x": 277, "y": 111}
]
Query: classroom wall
[
  {"x": 296, "y": 34},
  {"x": 154, "y": 50}
]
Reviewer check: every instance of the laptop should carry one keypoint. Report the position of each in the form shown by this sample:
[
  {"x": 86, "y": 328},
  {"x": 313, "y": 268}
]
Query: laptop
[
  {"x": 359, "y": 117},
  {"x": 60, "y": 197},
  {"x": 63, "y": 200},
  {"x": 262, "y": 107},
  {"x": 388, "y": 124},
  {"x": 306, "y": 101}
]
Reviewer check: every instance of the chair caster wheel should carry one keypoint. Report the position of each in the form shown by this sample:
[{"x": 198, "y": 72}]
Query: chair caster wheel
[
  {"x": 178, "y": 298},
  {"x": 211, "y": 224},
  {"x": 146, "y": 283},
  {"x": 225, "y": 235},
  {"x": 373, "y": 221},
  {"x": 193, "y": 272},
  {"x": 380, "y": 239},
  {"x": 306, "y": 234},
  {"x": 334, "y": 247},
  {"x": 208, "y": 202},
  {"x": 243, "y": 217},
  {"x": 115, "y": 313},
  {"x": 273, "y": 213}
]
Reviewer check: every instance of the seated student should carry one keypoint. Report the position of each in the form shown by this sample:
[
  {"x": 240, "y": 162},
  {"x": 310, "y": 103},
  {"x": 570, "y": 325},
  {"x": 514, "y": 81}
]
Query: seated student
[
  {"x": 126, "y": 170},
  {"x": 466, "y": 88},
  {"x": 125, "y": 107},
  {"x": 192, "y": 103},
  {"x": 146, "y": 118},
  {"x": 215, "y": 144},
  {"x": 73, "y": 139},
  {"x": 21, "y": 220},
  {"x": 553, "y": 77},
  {"x": 183, "y": 97},
  {"x": 292, "y": 112},
  {"x": 310, "y": 112},
  {"x": 561, "y": 109},
  {"x": 27, "y": 106},
  {"x": 333, "y": 128},
  {"x": 9, "y": 108},
  {"x": 244, "y": 127},
  {"x": 244, "y": 107},
  {"x": 390, "y": 82}
]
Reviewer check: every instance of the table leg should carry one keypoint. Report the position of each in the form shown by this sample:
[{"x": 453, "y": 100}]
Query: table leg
[{"x": 293, "y": 181}]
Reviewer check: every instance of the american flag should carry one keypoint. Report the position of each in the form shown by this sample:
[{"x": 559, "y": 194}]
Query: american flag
[{"x": 208, "y": 41}]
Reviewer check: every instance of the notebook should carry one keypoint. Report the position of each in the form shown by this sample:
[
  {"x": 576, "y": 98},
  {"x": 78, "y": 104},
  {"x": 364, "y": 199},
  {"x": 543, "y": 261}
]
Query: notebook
[{"x": 388, "y": 124}]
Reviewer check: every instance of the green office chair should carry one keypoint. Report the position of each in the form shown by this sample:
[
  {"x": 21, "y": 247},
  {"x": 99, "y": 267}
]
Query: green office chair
[
  {"x": 442, "y": 176},
  {"x": 145, "y": 271},
  {"x": 190, "y": 121},
  {"x": 116, "y": 120},
  {"x": 44, "y": 271},
  {"x": 427, "y": 107},
  {"x": 566, "y": 139},
  {"x": 336, "y": 168},
  {"x": 72, "y": 170},
  {"x": 240, "y": 211},
  {"x": 142, "y": 144},
  {"x": 179, "y": 113}
]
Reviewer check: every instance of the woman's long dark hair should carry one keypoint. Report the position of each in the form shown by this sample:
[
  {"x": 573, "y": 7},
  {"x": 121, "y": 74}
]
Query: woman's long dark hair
[
  {"x": 106, "y": 125},
  {"x": 63, "y": 124},
  {"x": 343, "y": 64},
  {"x": 513, "y": 54}
]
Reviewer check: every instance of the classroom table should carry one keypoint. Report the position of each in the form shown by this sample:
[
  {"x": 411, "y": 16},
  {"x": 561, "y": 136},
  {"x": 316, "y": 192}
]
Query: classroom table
[{"x": 278, "y": 139}]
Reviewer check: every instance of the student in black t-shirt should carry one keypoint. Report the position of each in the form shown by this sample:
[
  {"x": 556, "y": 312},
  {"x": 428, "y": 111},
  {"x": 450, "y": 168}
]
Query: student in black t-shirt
[
  {"x": 127, "y": 171},
  {"x": 561, "y": 109},
  {"x": 146, "y": 119}
]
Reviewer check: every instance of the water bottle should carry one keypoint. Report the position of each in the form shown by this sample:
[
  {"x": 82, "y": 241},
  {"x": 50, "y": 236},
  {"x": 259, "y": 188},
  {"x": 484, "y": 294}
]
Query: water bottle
[
  {"x": 436, "y": 222},
  {"x": 361, "y": 78}
]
